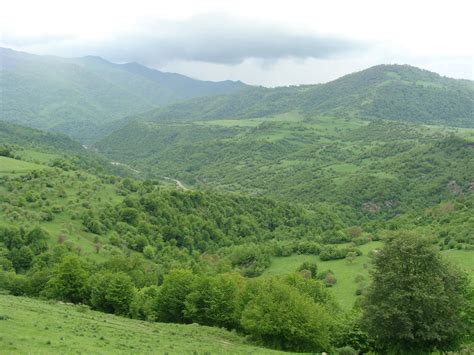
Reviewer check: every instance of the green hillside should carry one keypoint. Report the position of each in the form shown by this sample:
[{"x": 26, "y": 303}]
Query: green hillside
[
  {"x": 28, "y": 137},
  {"x": 23, "y": 145},
  {"x": 56, "y": 328},
  {"x": 397, "y": 92},
  {"x": 147, "y": 250},
  {"x": 377, "y": 168},
  {"x": 78, "y": 96}
]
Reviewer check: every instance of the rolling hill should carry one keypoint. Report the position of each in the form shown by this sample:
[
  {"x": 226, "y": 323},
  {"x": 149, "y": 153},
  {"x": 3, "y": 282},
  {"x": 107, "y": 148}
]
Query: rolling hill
[
  {"x": 77, "y": 96},
  {"x": 396, "y": 92}
]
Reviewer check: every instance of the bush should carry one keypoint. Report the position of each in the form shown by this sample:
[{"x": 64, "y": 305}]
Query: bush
[
  {"x": 328, "y": 278},
  {"x": 145, "y": 303},
  {"x": 173, "y": 292},
  {"x": 309, "y": 266},
  {"x": 69, "y": 282},
  {"x": 280, "y": 317},
  {"x": 214, "y": 301}
]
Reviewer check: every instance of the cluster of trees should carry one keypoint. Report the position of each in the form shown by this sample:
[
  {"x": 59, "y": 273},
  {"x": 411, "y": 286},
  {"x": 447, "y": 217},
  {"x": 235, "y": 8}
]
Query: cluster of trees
[{"x": 417, "y": 303}]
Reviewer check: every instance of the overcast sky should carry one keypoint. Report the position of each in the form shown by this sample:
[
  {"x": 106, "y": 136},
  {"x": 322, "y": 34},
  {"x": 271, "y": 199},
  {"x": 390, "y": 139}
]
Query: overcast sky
[{"x": 259, "y": 42}]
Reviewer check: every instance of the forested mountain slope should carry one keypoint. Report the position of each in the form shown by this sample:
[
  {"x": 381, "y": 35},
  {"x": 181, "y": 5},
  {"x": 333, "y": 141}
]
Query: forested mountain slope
[
  {"x": 383, "y": 165},
  {"x": 11, "y": 133},
  {"x": 77, "y": 96},
  {"x": 397, "y": 92}
]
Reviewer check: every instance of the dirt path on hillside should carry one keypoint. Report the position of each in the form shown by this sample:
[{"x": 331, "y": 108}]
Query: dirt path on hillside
[{"x": 179, "y": 184}]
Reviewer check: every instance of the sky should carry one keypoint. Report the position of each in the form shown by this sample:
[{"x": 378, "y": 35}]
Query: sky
[{"x": 269, "y": 43}]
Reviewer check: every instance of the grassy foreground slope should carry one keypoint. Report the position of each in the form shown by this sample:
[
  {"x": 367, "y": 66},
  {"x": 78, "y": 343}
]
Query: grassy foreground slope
[{"x": 32, "y": 326}]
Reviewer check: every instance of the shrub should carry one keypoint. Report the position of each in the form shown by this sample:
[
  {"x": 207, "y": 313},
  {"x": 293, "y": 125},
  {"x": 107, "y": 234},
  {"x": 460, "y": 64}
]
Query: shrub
[
  {"x": 309, "y": 266},
  {"x": 280, "y": 317},
  {"x": 173, "y": 292}
]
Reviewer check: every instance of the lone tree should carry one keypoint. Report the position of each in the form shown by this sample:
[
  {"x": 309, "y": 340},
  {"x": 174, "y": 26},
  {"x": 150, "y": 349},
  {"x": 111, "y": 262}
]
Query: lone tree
[{"x": 417, "y": 303}]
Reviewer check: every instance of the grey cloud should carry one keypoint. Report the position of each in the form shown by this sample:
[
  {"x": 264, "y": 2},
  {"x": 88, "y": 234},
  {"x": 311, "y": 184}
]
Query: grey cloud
[{"x": 221, "y": 39}]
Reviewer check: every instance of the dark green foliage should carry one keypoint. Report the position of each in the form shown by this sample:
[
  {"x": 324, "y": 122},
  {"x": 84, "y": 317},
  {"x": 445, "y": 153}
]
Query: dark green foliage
[
  {"x": 250, "y": 260},
  {"x": 331, "y": 252},
  {"x": 312, "y": 288},
  {"x": 22, "y": 246},
  {"x": 327, "y": 277},
  {"x": 25, "y": 137},
  {"x": 367, "y": 171},
  {"x": 308, "y": 266},
  {"x": 350, "y": 333},
  {"x": 166, "y": 254},
  {"x": 6, "y": 151},
  {"x": 120, "y": 291},
  {"x": 417, "y": 303}
]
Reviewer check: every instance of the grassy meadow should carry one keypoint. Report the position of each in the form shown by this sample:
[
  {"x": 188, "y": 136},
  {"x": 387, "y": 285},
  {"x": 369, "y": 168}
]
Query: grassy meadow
[
  {"x": 346, "y": 272},
  {"x": 32, "y": 326}
]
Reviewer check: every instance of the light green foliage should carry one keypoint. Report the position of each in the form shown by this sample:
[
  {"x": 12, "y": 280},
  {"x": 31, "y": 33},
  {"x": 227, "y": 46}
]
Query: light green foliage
[
  {"x": 318, "y": 181},
  {"x": 282, "y": 318},
  {"x": 145, "y": 303}
]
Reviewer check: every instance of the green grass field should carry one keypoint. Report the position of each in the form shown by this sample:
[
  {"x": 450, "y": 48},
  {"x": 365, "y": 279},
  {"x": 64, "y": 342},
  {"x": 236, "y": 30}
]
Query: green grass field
[
  {"x": 346, "y": 286},
  {"x": 10, "y": 166},
  {"x": 29, "y": 326}
]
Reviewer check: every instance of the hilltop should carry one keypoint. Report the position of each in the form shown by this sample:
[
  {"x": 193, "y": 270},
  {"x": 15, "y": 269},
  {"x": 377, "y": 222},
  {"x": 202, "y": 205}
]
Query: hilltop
[{"x": 397, "y": 92}]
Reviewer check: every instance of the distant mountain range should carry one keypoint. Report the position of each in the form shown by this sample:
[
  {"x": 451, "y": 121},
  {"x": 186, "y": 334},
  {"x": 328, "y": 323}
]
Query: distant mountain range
[
  {"x": 88, "y": 98},
  {"x": 83, "y": 96}
]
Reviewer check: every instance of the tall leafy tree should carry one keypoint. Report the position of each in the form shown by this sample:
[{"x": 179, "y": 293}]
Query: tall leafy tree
[{"x": 417, "y": 303}]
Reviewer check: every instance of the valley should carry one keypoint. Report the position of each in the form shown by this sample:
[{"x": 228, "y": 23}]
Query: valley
[{"x": 220, "y": 217}]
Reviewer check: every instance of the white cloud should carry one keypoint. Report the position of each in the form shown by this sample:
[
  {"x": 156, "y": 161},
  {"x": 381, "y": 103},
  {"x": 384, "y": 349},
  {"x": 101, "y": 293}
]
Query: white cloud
[{"x": 266, "y": 42}]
